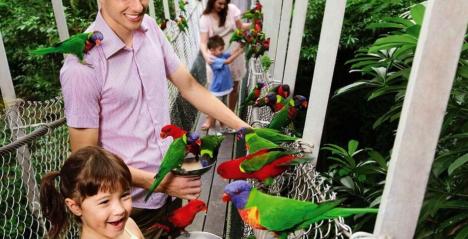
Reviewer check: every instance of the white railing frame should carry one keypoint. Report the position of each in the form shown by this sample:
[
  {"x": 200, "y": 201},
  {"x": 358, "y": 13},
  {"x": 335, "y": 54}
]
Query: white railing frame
[{"x": 434, "y": 67}]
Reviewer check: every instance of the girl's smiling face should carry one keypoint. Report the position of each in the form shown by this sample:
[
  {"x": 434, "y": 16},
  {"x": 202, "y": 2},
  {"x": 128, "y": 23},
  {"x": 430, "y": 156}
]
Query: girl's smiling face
[{"x": 105, "y": 214}]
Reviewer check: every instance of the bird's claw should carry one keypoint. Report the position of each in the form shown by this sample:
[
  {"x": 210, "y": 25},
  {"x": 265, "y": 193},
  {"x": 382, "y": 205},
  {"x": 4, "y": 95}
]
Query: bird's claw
[{"x": 304, "y": 146}]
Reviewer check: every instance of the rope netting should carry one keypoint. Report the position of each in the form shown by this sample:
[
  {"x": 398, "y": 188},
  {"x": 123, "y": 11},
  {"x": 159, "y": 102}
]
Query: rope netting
[
  {"x": 302, "y": 182},
  {"x": 34, "y": 141}
]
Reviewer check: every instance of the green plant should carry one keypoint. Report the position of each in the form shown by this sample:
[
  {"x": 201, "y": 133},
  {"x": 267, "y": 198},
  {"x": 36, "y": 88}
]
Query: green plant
[
  {"x": 385, "y": 67},
  {"x": 358, "y": 177}
]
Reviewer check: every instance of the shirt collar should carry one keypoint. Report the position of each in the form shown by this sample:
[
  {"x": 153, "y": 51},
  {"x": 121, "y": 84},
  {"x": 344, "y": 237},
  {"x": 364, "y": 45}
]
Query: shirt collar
[{"x": 111, "y": 43}]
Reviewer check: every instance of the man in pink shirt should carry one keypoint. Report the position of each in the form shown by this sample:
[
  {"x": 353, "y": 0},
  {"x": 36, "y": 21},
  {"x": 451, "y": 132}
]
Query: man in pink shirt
[{"x": 120, "y": 102}]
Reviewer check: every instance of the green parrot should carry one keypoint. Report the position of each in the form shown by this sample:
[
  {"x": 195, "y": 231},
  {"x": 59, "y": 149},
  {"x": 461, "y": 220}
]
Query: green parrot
[
  {"x": 296, "y": 106},
  {"x": 252, "y": 96},
  {"x": 236, "y": 36},
  {"x": 210, "y": 144},
  {"x": 77, "y": 45},
  {"x": 257, "y": 162},
  {"x": 173, "y": 158},
  {"x": 272, "y": 135},
  {"x": 279, "y": 214},
  {"x": 182, "y": 6},
  {"x": 253, "y": 142}
]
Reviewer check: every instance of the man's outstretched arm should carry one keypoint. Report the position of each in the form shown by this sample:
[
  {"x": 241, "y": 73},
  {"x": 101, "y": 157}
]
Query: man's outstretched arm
[{"x": 203, "y": 100}]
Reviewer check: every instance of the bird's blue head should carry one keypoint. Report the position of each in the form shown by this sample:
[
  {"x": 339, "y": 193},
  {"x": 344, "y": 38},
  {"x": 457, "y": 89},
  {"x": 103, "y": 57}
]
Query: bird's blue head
[
  {"x": 300, "y": 102},
  {"x": 193, "y": 137},
  {"x": 96, "y": 37},
  {"x": 270, "y": 98},
  {"x": 240, "y": 134},
  {"x": 237, "y": 192}
]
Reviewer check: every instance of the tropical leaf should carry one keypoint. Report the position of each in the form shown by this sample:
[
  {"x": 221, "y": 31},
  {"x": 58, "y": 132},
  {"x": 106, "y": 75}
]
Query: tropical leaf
[{"x": 458, "y": 163}]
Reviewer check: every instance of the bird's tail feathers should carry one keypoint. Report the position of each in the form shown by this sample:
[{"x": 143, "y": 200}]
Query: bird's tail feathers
[
  {"x": 154, "y": 185},
  {"x": 43, "y": 51}
]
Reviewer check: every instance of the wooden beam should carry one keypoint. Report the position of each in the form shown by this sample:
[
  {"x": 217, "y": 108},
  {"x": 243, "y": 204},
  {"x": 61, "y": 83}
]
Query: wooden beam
[
  {"x": 283, "y": 37},
  {"x": 295, "y": 43},
  {"x": 427, "y": 94},
  {"x": 323, "y": 72},
  {"x": 59, "y": 13}
]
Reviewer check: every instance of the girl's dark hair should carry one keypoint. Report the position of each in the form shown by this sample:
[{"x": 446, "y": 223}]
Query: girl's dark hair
[
  {"x": 222, "y": 15},
  {"x": 215, "y": 41},
  {"x": 85, "y": 173}
]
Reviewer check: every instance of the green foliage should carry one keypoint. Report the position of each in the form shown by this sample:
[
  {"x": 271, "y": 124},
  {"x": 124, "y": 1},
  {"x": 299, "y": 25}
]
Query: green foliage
[
  {"x": 358, "y": 176},
  {"x": 358, "y": 16},
  {"x": 385, "y": 67}
]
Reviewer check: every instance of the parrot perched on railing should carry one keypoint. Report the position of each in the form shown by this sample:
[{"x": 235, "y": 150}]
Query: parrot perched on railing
[
  {"x": 271, "y": 135},
  {"x": 182, "y": 23},
  {"x": 279, "y": 214},
  {"x": 252, "y": 96},
  {"x": 182, "y": 6},
  {"x": 77, "y": 45},
  {"x": 231, "y": 169},
  {"x": 175, "y": 154},
  {"x": 282, "y": 119},
  {"x": 210, "y": 144},
  {"x": 283, "y": 90},
  {"x": 274, "y": 101}
]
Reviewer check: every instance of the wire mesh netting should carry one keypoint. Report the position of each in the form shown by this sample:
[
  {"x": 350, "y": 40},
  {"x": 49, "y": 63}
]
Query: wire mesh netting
[
  {"x": 301, "y": 182},
  {"x": 34, "y": 140}
]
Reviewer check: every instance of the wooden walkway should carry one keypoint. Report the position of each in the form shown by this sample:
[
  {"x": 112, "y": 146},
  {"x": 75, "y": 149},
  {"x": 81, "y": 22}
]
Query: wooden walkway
[{"x": 215, "y": 220}]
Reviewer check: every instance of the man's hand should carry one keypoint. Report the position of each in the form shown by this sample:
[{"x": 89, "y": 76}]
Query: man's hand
[{"x": 181, "y": 186}]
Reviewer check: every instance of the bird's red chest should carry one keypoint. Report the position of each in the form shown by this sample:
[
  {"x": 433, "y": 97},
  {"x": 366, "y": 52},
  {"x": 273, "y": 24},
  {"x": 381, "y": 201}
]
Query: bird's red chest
[{"x": 251, "y": 217}]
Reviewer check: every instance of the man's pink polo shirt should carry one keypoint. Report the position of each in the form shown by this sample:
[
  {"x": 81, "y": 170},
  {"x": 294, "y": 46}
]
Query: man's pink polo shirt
[{"x": 125, "y": 95}]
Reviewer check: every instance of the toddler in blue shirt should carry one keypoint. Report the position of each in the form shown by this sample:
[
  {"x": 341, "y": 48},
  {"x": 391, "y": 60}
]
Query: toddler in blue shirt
[{"x": 221, "y": 84}]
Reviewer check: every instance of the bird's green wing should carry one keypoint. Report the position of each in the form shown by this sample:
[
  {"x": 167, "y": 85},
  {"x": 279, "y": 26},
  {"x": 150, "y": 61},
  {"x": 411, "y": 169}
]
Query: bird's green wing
[
  {"x": 256, "y": 143},
  {"x": 173, "y": 158},
  {"x": 280, "y": 120},
  {"x": 256, "y": 163},
  {"x": 210, "y": 143},
  {"x": 279, "y": 213},
  {"x": 274, "y": 135}
]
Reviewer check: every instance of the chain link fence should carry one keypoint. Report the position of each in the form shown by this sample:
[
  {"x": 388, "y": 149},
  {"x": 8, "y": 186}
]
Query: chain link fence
[
  {"x": 301, "y": 182},
  {"x": 34, "y": 141}
]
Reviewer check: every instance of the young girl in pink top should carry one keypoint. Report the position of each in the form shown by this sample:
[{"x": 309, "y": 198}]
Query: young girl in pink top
[{"x": 94, "y": 185}]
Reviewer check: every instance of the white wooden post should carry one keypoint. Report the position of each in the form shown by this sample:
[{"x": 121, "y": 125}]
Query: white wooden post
[
  {"x": 282, "y": 43},
  {"x": 429, "y": 86},
  {"x": 323, "y": 72},
  {"x": 271, "y": 23},
  {"x": 22, "y": 154},
  {"x": 59, "y": 14},
  {"x": 152, "y": 10},
  {"x": 295, "y": 43},
  {"x": 176, "y": 8},
  {"x": 167, "y": 14}
]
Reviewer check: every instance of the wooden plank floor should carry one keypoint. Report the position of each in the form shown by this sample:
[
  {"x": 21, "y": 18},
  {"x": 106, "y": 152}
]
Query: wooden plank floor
[{"x": 212, "y": 190}]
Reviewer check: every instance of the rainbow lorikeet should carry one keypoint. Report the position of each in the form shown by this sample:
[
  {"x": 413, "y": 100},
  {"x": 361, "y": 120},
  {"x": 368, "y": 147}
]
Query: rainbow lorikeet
[
  {"x": 253, "y": 142},
  {"x": 274, "y": 101},
  {"x": 231, "y": 169},
  {"x": 176, "y": 132},
  {"x": 271, "y": 135},
  {"x": 77, "y": 45},
  {"x": 210, "y": 145},
  {"x": 237, "y": 36},
  {"x": 182, "y": 23},
  {"x": 253, "y": 95},
  {"x": 279, "y": 214},
  {"x": 163, "y": 24},
  {"x": 183, "y": 216},
  {"x": 283, "y": 90},
  {"x": 173, "y": 158},
  {"x": 296, "y": 105}
]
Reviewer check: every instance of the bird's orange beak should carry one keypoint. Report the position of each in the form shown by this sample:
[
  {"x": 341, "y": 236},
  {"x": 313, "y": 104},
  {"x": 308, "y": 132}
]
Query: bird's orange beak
[
  {"x": 226, "y": 198},
  {"x": 205, "y": 209},
  {"x": 98, "y": 42},
  {"x": 163, "y": 135}
]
